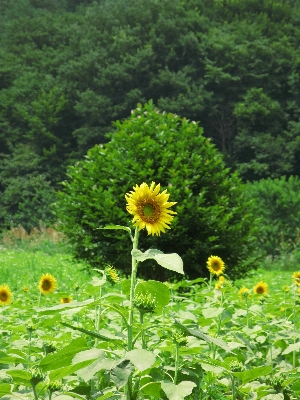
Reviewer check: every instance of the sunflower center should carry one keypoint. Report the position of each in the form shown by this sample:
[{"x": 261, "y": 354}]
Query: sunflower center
[
  {"x": 149, "y": 210},
  {"x": 215, "y": 266},
  {"x": 46, "y": 285},
  {"x": 3, "y": 296},
  {"x": 260, "y": 290}
]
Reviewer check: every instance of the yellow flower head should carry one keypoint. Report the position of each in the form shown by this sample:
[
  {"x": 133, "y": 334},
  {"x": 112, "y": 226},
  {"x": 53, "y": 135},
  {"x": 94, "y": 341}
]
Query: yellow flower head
[
  {"x": 5, "y": 295},
  {"x": 150, "y": 209},
  {"x": 47, "y": 284},
  {"x": 286, "y": 288},
  {"x": 66, "y": 300},
  {"x": 215, "y": 265},
  {"x": 296, "y": 276},
  {"x": 25, "y": 289},
  {"x": 244, "y": 292},
  {"x": 261, "y": 288}
]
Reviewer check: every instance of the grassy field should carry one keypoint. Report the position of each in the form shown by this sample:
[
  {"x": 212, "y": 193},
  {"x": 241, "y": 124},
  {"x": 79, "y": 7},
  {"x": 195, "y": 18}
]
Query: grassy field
[{"x": 190, "y": 340}]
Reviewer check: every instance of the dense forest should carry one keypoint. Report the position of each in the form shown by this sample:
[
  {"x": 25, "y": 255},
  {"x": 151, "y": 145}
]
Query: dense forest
[{"x": 69, "y": 68}]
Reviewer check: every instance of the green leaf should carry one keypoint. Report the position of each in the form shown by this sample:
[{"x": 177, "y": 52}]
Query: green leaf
[
  {"x": 121, "y": 372},
  {"x": 200, "y": 335},
  {"x": 212, "y": 312},
  {"x": 62, "y": 307},
  {"x": 141, "y": 359},
  {"x": 152, "y": 389},
  {"x": 124, "y": 228},
  {"x": 252, "y": 374},
  {"x": 63, "y": 357},
  {"x": 89, "y": 371},
  {"x": 171, "y": 261},
  {"x": 177, "y": 392},
  {"x": 19, "y": 374},
  {"x": 158, "y": 290},
  {"x": 91, "y": 333},
  {"x": 292, "y": 347},
  {"x": 5, "y": 388},
  {"x": 90, "y": 354},
  {"x": 60, "y": 373}
]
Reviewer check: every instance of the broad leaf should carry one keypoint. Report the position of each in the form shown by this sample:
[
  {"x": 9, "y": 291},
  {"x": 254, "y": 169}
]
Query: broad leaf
[
  {"x": 292, "y": 347},
  {"x": 158, "y": 290},
  {"x": 5, "y": 388},
  {"x": 121, "y": 372},
  {"x": 177, "y": 392},
  {"x": 252, "y": 374},
  {"x": 171, "y": 261},
  {"x": 141, "y": 359}
]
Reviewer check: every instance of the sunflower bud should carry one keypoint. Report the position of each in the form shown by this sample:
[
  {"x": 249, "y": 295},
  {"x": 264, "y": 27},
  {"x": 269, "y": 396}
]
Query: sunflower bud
[
  {"x": 145, "y": 303},
  {"x": 111, "y": 275}
]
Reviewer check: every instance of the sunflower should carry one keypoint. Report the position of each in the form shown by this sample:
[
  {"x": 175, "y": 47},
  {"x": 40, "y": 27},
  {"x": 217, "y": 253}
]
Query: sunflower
[
  {"x": 47, "y": 284},
  {"x": 25, "y": 289},
  {"x": 150, "y": 208},
  {"x": 244, "y": 292},
  {"x": 261, "y": 288},
  {"x": 66, "y": 300},
  {"x": 5, "y": 295},
  {"x": 296, "y": 276},
  {"x": 215, "y": 265}
]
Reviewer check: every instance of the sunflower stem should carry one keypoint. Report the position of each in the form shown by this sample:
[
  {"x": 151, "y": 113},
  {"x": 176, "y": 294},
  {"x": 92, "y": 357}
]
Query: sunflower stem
[
  {"x": 210, "y": 280},
  {"x": 130, "y": 316},
  {"x": 39, "y": 299},
  {"x": 142, "y": 330},
  {"x": 176, "y": 363},
  {"x": 98, "y": 322}
]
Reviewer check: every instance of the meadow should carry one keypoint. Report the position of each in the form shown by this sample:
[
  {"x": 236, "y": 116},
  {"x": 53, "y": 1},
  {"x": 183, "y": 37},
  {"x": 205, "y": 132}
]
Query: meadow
[{"x": 64, "y": 330}]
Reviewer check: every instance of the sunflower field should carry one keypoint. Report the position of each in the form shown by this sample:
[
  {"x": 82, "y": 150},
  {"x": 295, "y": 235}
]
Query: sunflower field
[{"x": 69, "y": 332}]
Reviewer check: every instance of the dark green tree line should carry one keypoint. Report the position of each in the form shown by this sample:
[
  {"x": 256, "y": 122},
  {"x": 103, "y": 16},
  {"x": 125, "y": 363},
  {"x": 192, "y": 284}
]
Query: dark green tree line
[{"x": 68, "y": 69}]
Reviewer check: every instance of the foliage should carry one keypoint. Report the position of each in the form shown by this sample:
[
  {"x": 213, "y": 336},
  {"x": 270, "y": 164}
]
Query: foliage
[
  {"x": 277, "y": 204},
  {"x": 70, "y": 68},
  {"x": 213, "y": 216},
  {"x": 77, "y": 350}
]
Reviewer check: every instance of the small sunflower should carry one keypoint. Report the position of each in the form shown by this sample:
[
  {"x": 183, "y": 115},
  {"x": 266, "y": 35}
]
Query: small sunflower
[
  {"x": 47, "y": 284},
  {"x": 25, "y": 289},
  {"x": 150, "y": 209},
  {"x": 296, "y": 276},
  {"x": 261, "y": 288},
  {"x": 215, "y": 265},
  {"x": 5, "y": 295},
  {"x": 65, "y": 300},
  {"x": 244, "y": 292}
]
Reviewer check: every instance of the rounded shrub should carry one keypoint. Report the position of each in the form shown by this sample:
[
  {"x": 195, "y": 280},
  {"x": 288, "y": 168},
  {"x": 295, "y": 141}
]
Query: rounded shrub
[
  {"x": 277, "y": 204},
  {"x": 213, "y": 216}
]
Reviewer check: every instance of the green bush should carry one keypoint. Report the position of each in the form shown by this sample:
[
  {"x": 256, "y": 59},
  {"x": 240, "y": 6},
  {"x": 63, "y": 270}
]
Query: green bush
[
  {"x": 278, "y": 207},
  {"x": 213, "y": 217}
]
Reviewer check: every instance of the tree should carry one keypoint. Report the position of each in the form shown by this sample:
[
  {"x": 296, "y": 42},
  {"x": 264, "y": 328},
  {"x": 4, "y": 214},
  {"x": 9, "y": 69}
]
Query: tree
[{"x": 212, "y": 214}]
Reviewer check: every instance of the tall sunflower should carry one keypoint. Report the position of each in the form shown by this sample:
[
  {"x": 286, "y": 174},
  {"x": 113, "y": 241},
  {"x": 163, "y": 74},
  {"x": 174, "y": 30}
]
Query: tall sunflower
[
  {"x": 261, "y": 288},
  {"x": 47, "y": 284},
  {"x": 296, "y": 277},
  {"x": 150, "y": 209},
  {"x": 65, "y": 300},
  {"x": 215, "y": 265},
  {"x": 5, "y": 295}
]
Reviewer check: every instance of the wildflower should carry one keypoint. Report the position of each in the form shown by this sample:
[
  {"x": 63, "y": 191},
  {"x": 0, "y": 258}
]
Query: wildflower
[
  {"x": 296, "y": 276},
  {"x": 111, "y": 275},
  {"x": 5, "y": 295},
  {"x": 261, "y": 288},
  {"x": 47, "y": 284},
  {"x": 150, "y": 209},
  {"x": 25, "y": 289},
  {"x": 286, "y": 289},
  {"x": 215, "y": 265},
  {"x": 244, "y": 292},
  {"x": 65, "y": 300}
]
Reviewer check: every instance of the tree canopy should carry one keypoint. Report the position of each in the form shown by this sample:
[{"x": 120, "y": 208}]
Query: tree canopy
[{"x": 68, "y": 69}]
